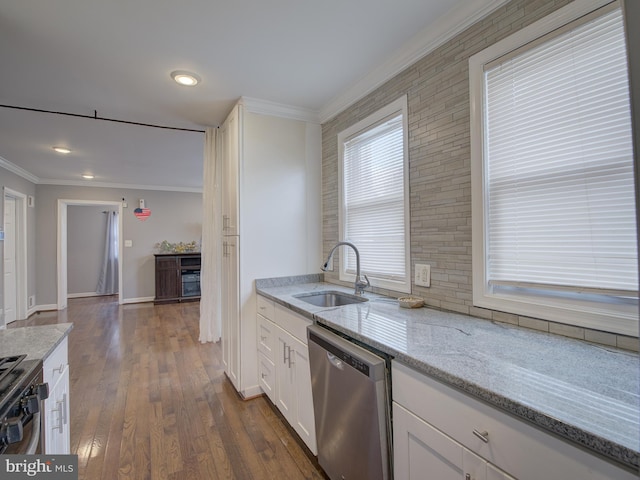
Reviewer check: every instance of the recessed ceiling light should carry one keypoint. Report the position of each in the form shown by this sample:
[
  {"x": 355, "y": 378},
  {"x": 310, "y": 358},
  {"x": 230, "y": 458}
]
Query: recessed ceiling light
[
  {"x": 187, "y": 79},
  {"x": 87, "y": 176},
  {"x": 63, "y": 150}
]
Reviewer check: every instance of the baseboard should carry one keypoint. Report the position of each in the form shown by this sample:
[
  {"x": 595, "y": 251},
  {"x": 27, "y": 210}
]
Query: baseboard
[
  {"x": 41, "y": 308},
  {"x": 83, "y": 295},
  {"x": 251, "y": 392},
  {"x": 137, "y": 300}
]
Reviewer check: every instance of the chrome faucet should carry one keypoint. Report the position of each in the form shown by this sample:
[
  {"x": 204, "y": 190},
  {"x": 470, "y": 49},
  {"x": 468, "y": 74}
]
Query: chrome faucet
[{"x": 360, "y": 284}]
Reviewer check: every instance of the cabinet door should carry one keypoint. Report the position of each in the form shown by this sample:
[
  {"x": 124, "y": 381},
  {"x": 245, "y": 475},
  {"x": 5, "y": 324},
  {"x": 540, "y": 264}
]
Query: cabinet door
[
  {"x": 230, "y": 148},
  {"x": 285, "y": 376},
  {"x": 304, "y": 414},
  {"x": 230, "y": 310},
  {"x": 293, "y": 386},
  {"x": 57, "y": 425},
  {"x": 422, "y": 452},
  {"x": 167, "y": 278}
]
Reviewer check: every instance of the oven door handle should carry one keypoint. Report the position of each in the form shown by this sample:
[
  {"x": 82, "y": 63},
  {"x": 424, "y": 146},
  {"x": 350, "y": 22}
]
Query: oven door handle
[{"x": 34, "y": 441}]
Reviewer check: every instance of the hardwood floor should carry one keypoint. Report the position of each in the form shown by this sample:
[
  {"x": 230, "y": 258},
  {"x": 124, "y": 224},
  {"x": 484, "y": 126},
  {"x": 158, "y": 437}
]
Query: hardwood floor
[{"x": 148, "y": 401}]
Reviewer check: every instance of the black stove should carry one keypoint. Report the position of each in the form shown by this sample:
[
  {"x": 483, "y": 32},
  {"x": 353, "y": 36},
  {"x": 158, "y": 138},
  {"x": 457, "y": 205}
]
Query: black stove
[{"x": 21, "y": 393}]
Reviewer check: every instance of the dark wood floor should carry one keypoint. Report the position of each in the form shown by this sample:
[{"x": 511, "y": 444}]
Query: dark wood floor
[{"x": 148, "y": 401}]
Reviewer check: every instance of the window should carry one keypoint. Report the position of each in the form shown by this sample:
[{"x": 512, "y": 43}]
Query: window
[
  {"x": 554, "y": 226},
  {"x": 374, "y": 198}
]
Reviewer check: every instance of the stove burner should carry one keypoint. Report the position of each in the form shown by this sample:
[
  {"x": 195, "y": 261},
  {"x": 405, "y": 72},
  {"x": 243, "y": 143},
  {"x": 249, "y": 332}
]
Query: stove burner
[{"x": 7, "y": 364}]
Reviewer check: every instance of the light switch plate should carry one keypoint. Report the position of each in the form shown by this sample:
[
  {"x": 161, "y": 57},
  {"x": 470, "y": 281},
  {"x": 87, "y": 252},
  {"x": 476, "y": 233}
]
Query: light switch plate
[
  {"x": 128, "y": 243},
  {"x": 423, "y": 275}
]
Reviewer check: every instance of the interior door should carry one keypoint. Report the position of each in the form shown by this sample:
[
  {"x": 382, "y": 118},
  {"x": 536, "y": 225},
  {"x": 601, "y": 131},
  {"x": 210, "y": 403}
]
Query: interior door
[{"x": 10, "y": 280}]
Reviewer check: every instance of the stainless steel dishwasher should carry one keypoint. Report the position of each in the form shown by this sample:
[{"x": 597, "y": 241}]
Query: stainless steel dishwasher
[{"x": 351, "y": 405}]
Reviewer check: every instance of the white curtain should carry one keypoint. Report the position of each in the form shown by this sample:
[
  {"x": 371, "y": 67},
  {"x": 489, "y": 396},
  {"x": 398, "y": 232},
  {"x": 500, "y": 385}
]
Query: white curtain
[
  {"x": 210, "y": 272},
  {"x": 108, "y": 281}
]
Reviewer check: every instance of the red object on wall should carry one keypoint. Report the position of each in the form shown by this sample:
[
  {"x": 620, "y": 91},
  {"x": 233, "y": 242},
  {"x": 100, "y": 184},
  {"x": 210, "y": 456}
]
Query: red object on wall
[{"x": 142, "y": 213}]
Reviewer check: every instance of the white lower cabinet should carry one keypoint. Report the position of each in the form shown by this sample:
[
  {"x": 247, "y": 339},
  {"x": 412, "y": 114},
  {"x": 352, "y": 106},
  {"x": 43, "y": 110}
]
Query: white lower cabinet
[
  {"x": 441, "y": 433},
  {"x": 284, "y": 367},
  {"x": 57, "y": 423},
  {"x": 422, "y": 452}
]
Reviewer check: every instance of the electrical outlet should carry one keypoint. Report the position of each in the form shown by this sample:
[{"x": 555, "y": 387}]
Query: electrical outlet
[{"x": 423, "y": 275}]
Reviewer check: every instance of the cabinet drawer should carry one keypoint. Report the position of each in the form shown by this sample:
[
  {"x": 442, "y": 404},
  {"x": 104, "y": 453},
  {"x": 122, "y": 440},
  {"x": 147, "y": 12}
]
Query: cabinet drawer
[
  {"x": 266, "y": 337},
  {"x": 267, "y": 376},
  {"x": 266, "y": 307},
  {"x": 295, "y": 324},
  {"x": 54, "y": 365},
  {"x": 515, "y": 446}
]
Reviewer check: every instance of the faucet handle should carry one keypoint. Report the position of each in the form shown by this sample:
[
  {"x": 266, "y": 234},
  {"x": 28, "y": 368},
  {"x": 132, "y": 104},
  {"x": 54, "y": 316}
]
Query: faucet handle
[{"x": 361, "y": 285}]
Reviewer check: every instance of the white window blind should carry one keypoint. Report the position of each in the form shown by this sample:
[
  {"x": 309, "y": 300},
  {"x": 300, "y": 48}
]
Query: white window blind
[
  {"x": 559, "y": 162},
  {"x": 374, "y": 199}
]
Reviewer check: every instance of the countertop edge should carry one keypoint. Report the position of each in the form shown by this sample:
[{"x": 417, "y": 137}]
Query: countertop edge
[
  {"x": 608, "y": 449},
  {"x": 37, "y": 341}
]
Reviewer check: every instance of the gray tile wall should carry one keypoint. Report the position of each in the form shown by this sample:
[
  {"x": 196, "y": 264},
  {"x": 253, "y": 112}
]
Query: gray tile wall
[{"x": 437, "y": 87}]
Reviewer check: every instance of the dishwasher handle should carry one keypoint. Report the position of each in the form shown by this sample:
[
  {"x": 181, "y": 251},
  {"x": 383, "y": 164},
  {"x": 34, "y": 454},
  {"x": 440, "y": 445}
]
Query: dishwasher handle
[{"x": 335, "y": 361}]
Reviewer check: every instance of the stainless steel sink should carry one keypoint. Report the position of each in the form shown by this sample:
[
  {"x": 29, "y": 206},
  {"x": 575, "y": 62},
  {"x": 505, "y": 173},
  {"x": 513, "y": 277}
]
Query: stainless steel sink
[{"x": 329, "y": 298}]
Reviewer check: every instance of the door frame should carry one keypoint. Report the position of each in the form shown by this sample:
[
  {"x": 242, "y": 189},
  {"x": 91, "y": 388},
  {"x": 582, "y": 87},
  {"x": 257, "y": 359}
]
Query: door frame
[
  {"x": 21, "y": 250},
  {"x": 62, "y": 245}
]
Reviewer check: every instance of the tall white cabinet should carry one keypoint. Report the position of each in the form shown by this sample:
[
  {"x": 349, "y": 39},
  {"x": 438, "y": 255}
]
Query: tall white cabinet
[{"x": 271, "y": 226}]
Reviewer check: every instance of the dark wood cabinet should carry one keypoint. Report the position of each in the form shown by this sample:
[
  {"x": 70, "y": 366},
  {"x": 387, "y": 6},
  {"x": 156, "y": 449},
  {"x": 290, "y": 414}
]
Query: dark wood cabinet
[{"x": 177, "y": 277}]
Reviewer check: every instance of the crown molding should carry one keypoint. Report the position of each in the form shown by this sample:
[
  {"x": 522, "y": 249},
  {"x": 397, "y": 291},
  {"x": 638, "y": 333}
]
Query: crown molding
[
  {"x": 21, "y": 172},
  {"x": 90, "y": 184},
  {"x": 7, "y": 165},
  {"x": 265, "y": 107},
  {"x": 435, "y": 34}
]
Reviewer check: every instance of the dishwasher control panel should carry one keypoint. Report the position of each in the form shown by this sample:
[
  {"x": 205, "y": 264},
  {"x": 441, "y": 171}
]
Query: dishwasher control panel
[{"x": 350, "y": 360}]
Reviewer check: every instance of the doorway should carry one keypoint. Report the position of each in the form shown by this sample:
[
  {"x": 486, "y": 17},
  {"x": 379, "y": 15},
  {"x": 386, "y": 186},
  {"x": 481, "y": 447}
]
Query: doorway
[
  {"x": 15, "y": 256},
  {"x": 63, "y": 205}
]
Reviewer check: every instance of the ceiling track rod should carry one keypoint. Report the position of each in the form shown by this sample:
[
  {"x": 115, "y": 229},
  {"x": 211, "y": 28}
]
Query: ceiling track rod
[{"x": 96, "y": 117}]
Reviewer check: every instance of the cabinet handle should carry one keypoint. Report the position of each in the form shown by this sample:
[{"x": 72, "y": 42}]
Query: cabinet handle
[
  {"x": 59, "y": 369},
  {"x": 264, "y": 375},
  {"x": 65, "y": 420},
  {"x": 467, "y": 477},
  {"x": 58, "y": 410},
  {"x": 484, "y": 436},
  {"x": 284, "y": 353},
  {"x": 291, "y": 362}
]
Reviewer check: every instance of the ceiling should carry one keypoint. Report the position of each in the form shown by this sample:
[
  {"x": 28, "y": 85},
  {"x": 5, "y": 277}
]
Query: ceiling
[{"x": 112, "y": 59}]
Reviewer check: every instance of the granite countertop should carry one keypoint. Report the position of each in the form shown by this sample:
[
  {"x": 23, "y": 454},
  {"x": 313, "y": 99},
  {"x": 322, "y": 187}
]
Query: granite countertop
[
  {"x": 584, "y": 392},
  {"x": 36, "y": 342}
]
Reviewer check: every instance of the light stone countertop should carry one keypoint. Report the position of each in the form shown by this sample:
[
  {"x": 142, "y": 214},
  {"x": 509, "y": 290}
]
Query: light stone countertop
[
  {"x": 37, "y": 342},
  {"x": 583, "y": 392}
]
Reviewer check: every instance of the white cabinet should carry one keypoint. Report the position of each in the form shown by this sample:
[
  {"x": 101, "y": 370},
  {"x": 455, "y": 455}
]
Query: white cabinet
[
  {"x": 282, "y": 348},
  {"x": 423, "y": 452},
  {"x": 56, "y": 408},
  {"x": 438, "y": 428},
  {"x": 269, "y": 164},
  {"x": 230, "y": 145},
  {"x": 230, "y": 310}
]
